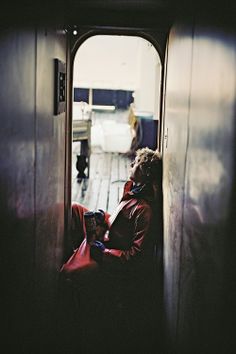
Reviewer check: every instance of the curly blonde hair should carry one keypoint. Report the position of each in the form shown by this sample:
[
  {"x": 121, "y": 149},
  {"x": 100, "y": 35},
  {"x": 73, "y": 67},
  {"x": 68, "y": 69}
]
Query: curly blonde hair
[{"x": 150, "y": 164}]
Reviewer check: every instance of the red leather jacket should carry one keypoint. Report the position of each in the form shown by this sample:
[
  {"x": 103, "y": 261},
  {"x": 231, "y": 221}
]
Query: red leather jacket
[
  {"x": 130, "y": 226},
  {"x": 129, "y": 243}
]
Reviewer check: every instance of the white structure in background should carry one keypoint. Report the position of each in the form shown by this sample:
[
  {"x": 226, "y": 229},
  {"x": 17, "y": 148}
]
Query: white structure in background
[
  {"x": 111, "y": 136},
  {"x": 147, "y": 91},
  {"x": 81, "y": 110},
  {"x": 107, "y": 62},
  {"x": 115, "y": 137},
  {"x": 118, "y": 63}
]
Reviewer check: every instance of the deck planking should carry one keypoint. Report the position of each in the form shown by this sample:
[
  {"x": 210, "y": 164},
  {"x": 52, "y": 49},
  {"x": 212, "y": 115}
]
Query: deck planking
[
  {"x": 108, "y": 171},
  {"x": 104, "y": 188}
]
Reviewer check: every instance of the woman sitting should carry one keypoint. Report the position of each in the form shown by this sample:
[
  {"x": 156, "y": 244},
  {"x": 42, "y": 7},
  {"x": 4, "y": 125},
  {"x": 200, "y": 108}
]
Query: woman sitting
[
  {"x": 123, "y": 241},
  {"x": 114, "y": 268}
]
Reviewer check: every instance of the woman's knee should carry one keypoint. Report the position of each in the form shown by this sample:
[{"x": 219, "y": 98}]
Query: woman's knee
[
  {"x": 77, "y": 223},
  {"x": 78, "y": 209}
]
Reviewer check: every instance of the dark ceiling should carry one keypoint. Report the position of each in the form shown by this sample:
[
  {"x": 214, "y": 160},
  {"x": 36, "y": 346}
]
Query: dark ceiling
[{"x": 121, "y": 13}]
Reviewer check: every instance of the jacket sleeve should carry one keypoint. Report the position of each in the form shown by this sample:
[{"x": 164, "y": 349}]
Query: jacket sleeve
[{"x": 142, "y": 222}]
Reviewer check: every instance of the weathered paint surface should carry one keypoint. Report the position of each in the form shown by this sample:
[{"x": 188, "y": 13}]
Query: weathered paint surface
[
  {"x": 199, "y": 170},
  {"x": 32, "y": 160},
  {"x": 175, "y": 146}
]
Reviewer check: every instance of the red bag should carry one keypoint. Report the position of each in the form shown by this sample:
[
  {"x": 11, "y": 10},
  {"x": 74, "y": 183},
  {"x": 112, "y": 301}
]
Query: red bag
[{"x": 80, "y": 262}]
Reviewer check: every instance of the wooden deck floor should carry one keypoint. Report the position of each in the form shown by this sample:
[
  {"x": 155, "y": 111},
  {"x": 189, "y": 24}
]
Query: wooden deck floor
[
  {"x": 108, "y": 171},
  {"x": 104, "y": 188}
]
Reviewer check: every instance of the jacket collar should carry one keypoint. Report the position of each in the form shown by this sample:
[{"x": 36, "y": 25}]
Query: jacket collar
[{"x": 144, "y": 191}]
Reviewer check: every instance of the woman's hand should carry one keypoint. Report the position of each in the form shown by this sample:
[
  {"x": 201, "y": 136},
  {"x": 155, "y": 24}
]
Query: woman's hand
[{"x": 96, "y": 250}]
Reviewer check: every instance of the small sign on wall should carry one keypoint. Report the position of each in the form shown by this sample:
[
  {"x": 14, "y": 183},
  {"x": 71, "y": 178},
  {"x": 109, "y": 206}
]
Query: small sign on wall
[{"x": 60, "y": 87}]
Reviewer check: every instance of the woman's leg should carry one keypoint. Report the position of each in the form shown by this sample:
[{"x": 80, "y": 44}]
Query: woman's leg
[{"x": 77, "y": 224}]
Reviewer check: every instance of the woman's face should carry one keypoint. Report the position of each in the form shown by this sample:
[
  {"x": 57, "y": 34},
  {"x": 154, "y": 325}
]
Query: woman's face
[{"x": 136, "y": 174}]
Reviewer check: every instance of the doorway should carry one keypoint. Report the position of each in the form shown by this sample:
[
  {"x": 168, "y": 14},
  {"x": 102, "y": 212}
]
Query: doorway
[{"x": 116, "y": 97}]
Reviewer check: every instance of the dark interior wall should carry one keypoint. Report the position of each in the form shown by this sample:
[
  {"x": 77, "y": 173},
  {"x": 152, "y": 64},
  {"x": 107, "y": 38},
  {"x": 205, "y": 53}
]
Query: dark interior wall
[
  {"x": 199, "y": 175},
  {"x": 49, "y": 177},
  {"x": 32, "y": 160},
  {"x": 17, "y": 176}
]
